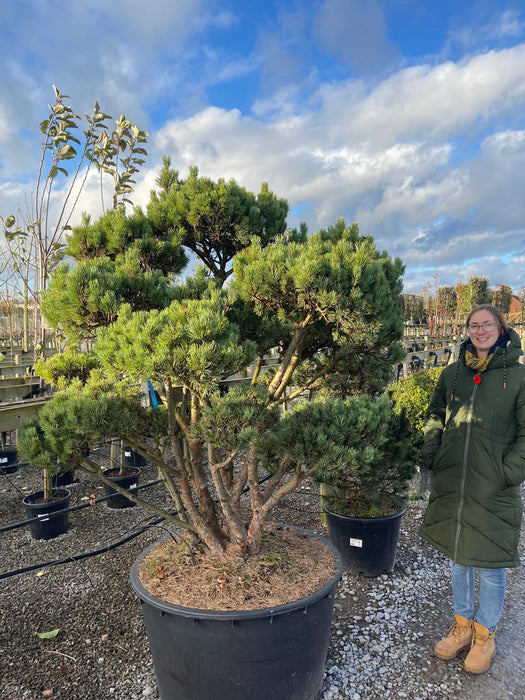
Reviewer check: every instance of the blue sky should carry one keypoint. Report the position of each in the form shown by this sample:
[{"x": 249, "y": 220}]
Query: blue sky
[{"x": 407, "y": 116}]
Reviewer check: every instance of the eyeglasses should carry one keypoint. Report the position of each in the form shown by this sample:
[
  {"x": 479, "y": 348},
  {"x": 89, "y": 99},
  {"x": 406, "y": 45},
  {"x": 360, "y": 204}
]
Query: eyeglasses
[{"x": 487, "y": 326}]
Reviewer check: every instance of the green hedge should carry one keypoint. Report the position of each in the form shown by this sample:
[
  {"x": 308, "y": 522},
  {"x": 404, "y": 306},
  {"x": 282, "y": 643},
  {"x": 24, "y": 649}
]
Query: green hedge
[{"x": 413, "y": 395}]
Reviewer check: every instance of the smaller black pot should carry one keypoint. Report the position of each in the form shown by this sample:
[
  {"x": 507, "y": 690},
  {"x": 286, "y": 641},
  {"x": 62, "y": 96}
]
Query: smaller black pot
[
  {"x": 133, "y": 459},
  {"x": 8, "y": 461},
  {"x": 63, "y": 479},
  {"x": 46, "y": 528},
  {"x": 128, "y": 481},
  {"x": 368, "y": 546}
]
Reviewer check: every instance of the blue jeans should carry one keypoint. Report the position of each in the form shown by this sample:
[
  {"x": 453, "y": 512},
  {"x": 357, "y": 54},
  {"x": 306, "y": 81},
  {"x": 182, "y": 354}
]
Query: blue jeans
[{"x": 492, "y": 584}]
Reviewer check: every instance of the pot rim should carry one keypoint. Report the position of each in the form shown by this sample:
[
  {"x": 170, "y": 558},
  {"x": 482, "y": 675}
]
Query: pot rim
[
  {"x": 110, "y": 475},
  {"x": 375, "y": 518},
  {"x": 65, "y": 493},
  {"x": 237, "y": 615}
]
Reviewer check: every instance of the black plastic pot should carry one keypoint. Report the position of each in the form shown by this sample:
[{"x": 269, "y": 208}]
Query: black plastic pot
[
  {"x": 133, "y": 459},
  {"x": 8, "y": 461},
  {"x": 368, "y": 546},
  {"x": 46, "y": 527},
  {"x": 128, "y": 481},
  {"x": 269, "y": 654},
  {"x": 63, "y": 479}
]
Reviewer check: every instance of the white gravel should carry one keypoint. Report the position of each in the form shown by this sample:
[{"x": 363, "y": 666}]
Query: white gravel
[{"x": 384, "y": 628}]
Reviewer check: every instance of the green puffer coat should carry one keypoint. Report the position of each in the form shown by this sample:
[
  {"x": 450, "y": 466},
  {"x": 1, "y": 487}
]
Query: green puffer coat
[{"x": 475, "y": 445}]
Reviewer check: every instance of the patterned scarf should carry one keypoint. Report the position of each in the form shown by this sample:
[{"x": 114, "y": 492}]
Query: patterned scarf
[
  {"x": 480, "y": 363},
  {"x": 477, "y": 363}
]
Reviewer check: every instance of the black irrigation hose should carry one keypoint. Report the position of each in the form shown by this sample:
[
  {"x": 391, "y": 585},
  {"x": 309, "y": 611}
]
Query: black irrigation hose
[
  {"x": 84, "y": 555},
  {"x": 79, "y": 506},
  {"x": 101, "y": 550}
]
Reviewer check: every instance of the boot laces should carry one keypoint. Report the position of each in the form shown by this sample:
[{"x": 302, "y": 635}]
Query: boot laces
[
  {"x": 481, "y": 637},
  {"x": 458, "y": 629}
]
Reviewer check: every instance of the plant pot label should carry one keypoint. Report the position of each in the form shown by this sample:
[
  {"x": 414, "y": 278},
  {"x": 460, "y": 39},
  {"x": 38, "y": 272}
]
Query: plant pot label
[{"x": 354, "y": 542}]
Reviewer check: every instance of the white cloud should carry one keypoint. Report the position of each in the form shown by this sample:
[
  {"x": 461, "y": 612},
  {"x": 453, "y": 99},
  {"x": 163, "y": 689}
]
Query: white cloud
[
  {"x": 435, "y": 101},
  {"x": 388, "y": 160},
  {"x": 510, "y": 25},
  {"x": 498, "y": 26}
]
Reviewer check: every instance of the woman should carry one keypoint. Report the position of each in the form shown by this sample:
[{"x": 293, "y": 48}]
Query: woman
[{"x": 475, "y": 446}]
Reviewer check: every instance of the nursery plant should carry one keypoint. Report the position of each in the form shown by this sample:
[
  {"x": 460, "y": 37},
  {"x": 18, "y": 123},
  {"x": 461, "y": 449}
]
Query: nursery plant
[
  {"x": 328, "y": 303},
  {"x": 237, "y": 357},
  {"x": 363, "y": 454}
]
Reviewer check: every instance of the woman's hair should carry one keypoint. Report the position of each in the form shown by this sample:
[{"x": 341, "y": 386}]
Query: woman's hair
[{"x": 498, "y": 317}]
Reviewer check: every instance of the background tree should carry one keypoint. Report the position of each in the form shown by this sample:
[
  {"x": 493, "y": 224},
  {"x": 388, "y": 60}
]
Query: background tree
[
  {"x": 35, "y": 233},
  {"x": 412, "y": 307},
  {"x": 478, "y": 291},
  {"x": 521, "y": 299},
  {"x": 501, "y": 297},
  {"x": 469, "y": 294},
  {"x": 446, "y": 307},
  {"x": 120, "y": 155},
  {"x": 462, "y": 303}
]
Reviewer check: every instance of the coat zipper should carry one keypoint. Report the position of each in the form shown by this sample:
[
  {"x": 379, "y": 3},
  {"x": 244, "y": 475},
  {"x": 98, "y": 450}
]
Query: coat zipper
[{"x": 464, "y": 473}]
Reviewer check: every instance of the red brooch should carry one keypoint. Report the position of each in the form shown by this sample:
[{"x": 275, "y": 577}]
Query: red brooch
[{"x": 477, "y": 379}]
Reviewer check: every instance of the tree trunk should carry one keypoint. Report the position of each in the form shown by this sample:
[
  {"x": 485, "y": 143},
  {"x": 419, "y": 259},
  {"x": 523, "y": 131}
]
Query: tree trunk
[{"x": 25, "y": 317}]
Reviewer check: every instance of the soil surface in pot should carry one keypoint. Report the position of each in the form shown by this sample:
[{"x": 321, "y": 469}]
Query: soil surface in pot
[
  {"x": 115, "y": 473},
  {"x": 40, "y": 500},
  {"x": 291, "y": 565}
]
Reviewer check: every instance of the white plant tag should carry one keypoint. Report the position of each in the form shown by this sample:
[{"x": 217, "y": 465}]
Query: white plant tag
[{"x": 354, "y": 542}]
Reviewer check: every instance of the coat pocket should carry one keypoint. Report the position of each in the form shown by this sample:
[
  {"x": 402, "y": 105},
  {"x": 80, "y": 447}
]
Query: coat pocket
[
  {"x": 488, "y": 458},
  {"x": 449, "y": 454}
]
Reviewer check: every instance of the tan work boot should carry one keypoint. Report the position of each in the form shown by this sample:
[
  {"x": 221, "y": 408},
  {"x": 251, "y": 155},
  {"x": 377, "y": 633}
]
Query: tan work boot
[
  {"x": 482, "y": 650},
  {"x": 460, "y": 638}
]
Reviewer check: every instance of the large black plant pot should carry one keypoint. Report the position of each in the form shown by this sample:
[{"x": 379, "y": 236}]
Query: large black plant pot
[
  {"x": 269, "y": 654},
  {"x": 368, "y": 545},
  {"x": 129, "y": 480},
  {"x": 8, "y": 461},
  {"x": 46, "y": 527}
]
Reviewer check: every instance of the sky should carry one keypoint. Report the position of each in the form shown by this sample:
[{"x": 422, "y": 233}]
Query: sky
[{"x": 406, "y": 116}]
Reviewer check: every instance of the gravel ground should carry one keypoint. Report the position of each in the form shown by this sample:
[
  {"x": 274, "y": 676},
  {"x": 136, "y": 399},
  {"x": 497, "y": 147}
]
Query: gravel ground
[{"x": 383, "y": 631}]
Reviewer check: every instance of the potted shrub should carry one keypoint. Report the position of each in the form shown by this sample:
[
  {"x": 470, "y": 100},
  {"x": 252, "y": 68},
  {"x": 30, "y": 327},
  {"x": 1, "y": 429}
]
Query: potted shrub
[
  {"x": 46, "y": 509},
  {"x": 123, "y": 471},
  {"x": 364, "y": 457},
  {"x": 329, "y": 304},
  {"x": 59, "y": 371}
]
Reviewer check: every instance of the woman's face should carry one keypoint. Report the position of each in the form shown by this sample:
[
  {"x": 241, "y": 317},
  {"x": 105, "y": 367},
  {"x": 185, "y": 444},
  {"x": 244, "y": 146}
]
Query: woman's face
[{"x": 483, "y": 330}]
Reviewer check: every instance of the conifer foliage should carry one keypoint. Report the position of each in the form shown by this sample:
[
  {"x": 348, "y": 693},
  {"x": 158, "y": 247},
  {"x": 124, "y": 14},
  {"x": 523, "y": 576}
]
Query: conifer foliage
[{"x": 327, "y": 305}]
